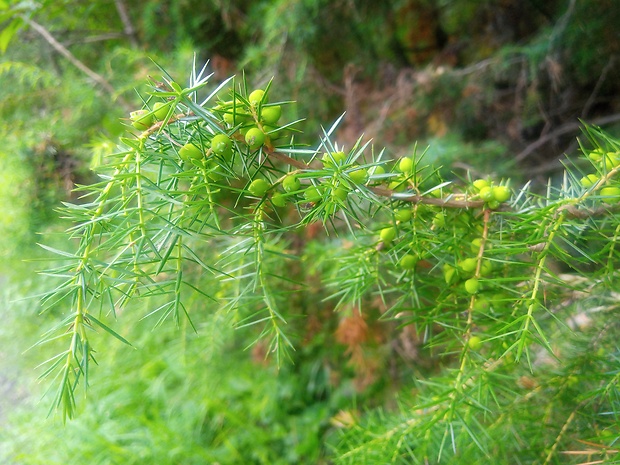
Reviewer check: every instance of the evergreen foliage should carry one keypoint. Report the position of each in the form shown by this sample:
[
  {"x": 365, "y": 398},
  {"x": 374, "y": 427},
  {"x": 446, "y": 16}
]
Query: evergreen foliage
[
  {"x": 508, "y": 293},
  {"x": 238, "y": 284}
]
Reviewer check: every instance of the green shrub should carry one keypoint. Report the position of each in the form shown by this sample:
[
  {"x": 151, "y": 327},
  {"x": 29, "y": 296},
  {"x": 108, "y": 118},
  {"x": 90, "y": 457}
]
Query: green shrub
[{"x": 495, "y": 339}]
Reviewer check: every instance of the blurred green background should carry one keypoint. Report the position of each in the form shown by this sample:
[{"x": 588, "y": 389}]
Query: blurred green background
[{"x": 494, "y": 86}]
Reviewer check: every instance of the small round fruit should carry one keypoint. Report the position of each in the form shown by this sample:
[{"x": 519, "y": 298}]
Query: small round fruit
[
  {"x": 596, "y": 155},
  {"x": 472, "y": 286},
  {"x": 229, "y": 118},
  {"x": 160, "y": 110},
  {"x": 607, "y": 433},
  {"x": 141, "y": 119},
  {"x": 330, "y": 209},
  {"x": 377, "y": 170},
  {"x": 212, "y": 172},
  {"x": 463, "y": 220},
  {"x": 493, "y": 204},
  {"x": 190, "y": 150},
  {"x": 589, "y": 180},
  {"x": 482, "y": 304},
  {"x": 387, "y": 235},
  {"x": 278, "y": 199},
  {"x": 435, "y": 193},
  {"x": 474, "y": 343},
  {"x": 254, "y": 138},
  {"x": 439, "y": 220},
  {"x": 359, "y": 176},
  {"x": 405, "y": 165},
  {"x": 611, "y": 160},
  {"x": 271, "y": 131},
  {"x": 236, "y": 115},
  {"x": 259, "y": 187},
  {"x": 221, "y": 144},
  {"x": 271, "y": 115},
  {"x": 340, "y": 193},
  {"x": 402, "y": 214},
  {"x": 399, "y": 185},
  {"x": 486, "y": 268},
  {"x": 468, "y": 265},
  {"x": 479, "y": 184},
  {"x": 312, "y": 194},
  {"x": 290, "y": 183},
  {"x": 610, "y": 194},
  {"x": 256, "y": 97},
  {"x": 408, "y": 262},
  {"x": 486, "y": 193},
  {"x": 501, "y": 193},
  {"x": 448, "y": 273},
  {"x": 334, "y": 157},
  {"x": 475, "y": 244}
]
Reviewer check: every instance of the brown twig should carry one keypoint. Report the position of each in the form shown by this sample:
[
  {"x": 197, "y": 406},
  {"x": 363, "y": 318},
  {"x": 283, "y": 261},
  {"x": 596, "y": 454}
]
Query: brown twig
[
  {"x": 452, "y": 201},
  {"x": 128, "y": 28},
  {"x": 449, "y": 202},
  {"x": 564, "y": 129},
  {"x": 597, "y": 87},
  {"x": 97, "y": 78},
  {"x": 289, "y": 160},
  {"x": 97, "y": 38}
]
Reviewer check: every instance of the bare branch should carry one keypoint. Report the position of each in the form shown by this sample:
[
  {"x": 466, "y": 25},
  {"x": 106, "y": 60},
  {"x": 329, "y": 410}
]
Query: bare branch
[
  {"x": 564, "y": 129},
  {"x": 610, "y": 64},
  {"x": 130, "y": 31},
  {"x": 97, "y": 38},
  {"x": 100, "y": 80}
]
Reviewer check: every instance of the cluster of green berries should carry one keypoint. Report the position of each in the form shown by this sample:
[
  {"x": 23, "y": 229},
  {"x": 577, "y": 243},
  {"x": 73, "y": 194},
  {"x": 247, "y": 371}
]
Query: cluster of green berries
[
  {"x": 408, "y": 261},
  {"x": 493, "y": 195},
  {"x": 388, "y": 234},
  {"x": 143, "y": 119},
  {"x": 356, "y": 174},
  {"x": 251, "y": 120},
  {"x": 336, "y": 189},
  {"x": 604, "y": 161},
  {"x": 256, "y": 119},
  {"x": 290, "y": 184},
  {"x": 221, "y": 145},
  {"x": 466, "y": 269},
  {"x": 404, "y": 166},
  {"x": 401, "y": 215}
]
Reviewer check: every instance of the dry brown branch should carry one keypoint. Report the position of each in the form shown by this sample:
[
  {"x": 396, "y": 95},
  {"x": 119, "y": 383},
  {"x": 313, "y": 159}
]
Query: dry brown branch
[
  {"x": 97, "y": 38},
  {"x": 128, "y": 28},
  {"x": 564, "y": 129},
  {"x": 588, "y": 105}
]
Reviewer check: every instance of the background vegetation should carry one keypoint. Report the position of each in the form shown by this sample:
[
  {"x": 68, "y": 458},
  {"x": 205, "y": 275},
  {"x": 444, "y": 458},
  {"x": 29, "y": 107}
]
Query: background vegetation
[{"x": 494, "y": 87}]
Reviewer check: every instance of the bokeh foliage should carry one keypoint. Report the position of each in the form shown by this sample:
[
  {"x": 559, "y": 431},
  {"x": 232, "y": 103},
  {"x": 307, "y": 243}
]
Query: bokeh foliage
[{"x": 360, "y": 389}]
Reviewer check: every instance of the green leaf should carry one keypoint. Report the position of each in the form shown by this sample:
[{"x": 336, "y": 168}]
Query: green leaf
[
  {"x": 8, "y": 32},
  {"x": 109, "y": 330}
]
